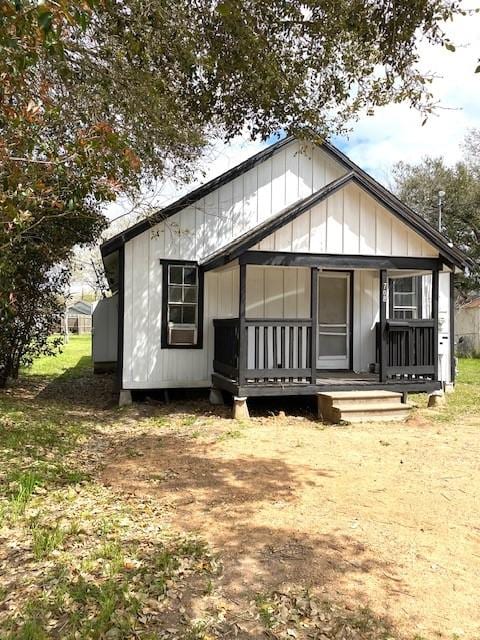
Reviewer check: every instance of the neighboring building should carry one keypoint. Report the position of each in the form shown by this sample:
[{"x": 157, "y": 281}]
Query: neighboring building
[
  {"x": 467, "y": 328},
  {"x": 292, "y": 273},
  {"x": 104, "y": 334},
  {"x": 79, "y": 316}
]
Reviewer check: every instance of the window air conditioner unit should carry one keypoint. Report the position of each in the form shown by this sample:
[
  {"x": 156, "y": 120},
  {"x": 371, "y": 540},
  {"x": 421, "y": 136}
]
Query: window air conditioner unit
[{"x": 182, "y": 335}]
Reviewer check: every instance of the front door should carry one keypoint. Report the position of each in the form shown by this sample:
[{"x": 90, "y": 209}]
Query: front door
[{"x": 333, "y": 341}]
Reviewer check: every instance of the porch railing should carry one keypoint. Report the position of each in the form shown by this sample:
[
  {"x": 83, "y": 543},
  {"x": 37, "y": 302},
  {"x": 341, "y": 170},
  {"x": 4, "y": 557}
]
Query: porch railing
[
  {"x": 280, "y": 351},
  {"x": 276, "y": 350},
  {"x": 409, "y": 349}
]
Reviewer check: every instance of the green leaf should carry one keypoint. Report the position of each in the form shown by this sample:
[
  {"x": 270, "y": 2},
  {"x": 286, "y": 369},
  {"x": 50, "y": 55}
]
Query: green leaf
[
  {"x": 45, "y": 20},
  {"x": 477, "y": 70},
  {"x": 449, "y": 46}
]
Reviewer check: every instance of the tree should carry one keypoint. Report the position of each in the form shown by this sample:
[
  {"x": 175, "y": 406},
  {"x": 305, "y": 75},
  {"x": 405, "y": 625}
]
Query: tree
[
  {"x": 418, "y": 186},
  {"x": 100, "y": 96}
]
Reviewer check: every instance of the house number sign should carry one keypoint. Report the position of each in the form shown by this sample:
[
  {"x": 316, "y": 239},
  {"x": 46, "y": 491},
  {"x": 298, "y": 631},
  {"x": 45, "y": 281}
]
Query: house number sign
[{"x": 385, "y": 292}]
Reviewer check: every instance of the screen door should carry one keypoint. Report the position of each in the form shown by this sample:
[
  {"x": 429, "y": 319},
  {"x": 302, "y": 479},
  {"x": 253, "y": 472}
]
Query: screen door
[{"x": 333, "y": 342}]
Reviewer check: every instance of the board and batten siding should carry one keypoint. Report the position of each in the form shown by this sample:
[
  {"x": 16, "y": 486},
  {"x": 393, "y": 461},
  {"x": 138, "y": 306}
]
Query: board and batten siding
[
  {"x": 293, "y": 172},
  {"x": 202, "y": 228},
  {"x": 349, "y": 222}
]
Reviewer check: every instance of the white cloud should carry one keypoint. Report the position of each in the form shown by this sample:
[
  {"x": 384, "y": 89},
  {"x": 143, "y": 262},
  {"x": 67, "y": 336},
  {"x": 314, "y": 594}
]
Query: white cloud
[{"x": 395, "y": 132}]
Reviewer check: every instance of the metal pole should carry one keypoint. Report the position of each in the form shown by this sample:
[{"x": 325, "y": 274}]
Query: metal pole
[{"x": 441, "y": 195}]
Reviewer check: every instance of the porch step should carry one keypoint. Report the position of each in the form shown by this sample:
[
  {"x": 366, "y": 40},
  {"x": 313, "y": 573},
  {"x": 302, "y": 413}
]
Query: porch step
[{"x": 362, "y": 406}]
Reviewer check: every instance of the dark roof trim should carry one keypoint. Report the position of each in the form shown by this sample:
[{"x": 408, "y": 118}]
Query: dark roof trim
[
  {"x": 112, "y": 244},
  {"x": 257, "y": 234},
  {"x": 401, "y": 210},
  {"x": 376, "y": 190},
  {"x": 246, "y": 241}
]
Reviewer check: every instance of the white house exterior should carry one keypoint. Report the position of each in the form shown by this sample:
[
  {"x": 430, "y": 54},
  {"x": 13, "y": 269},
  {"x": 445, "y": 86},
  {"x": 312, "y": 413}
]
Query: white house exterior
[{"x": 282, "y": 275}]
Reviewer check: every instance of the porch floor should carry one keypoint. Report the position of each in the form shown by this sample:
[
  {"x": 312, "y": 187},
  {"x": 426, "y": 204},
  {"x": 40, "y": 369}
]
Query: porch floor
[
  {"x": 325, "y": 381},
  {"x": 345, "y": 377}
]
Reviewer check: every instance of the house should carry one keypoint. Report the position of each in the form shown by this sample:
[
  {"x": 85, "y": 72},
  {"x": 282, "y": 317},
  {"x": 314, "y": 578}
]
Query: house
[
  {"x": 467, "y": 328},
  {"x": 295, "y": 272}
]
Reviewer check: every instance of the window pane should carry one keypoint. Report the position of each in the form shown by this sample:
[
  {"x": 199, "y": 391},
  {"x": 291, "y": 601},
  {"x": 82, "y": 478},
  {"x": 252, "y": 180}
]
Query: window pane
[
  {"x": 174, "y": 294},
  {"x": 190, "y": 294},
  {"x": 404, "y": 284},
  {"x": 175, "y": 313},
  {"x": 332, "y": 300},
  {"x": 405, "y": 300},
  {"x": 176, "y": 275},
  {"x": 332, "y": 346},
  {"x": 190, "y": 275},
  {"x": 188, "y": 313}
]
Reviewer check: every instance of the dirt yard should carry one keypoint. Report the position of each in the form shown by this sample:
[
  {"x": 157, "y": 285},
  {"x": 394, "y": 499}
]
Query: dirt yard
[
  {"x": 173, "y": 522},
  {"x": 384, "y": 516}
]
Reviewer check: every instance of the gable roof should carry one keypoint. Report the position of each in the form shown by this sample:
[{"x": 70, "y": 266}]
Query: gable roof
[
  {"x": 81, "y": 307},
  {"x": 354, "y": 173},
  {"x": 245, "y": 242}
]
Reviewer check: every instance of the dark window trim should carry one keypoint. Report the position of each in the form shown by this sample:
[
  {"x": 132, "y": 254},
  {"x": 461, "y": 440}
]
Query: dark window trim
[
  {"x": 121, "y": 316},
  {"x": 164, "y": 334},
  {"x": 419, "y": 292}
]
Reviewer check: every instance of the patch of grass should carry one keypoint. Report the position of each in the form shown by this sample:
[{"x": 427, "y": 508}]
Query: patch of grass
[
  {"x": 36, "y": 435},
  {"x": 32, "y": 629},
  {"x": 469, "y": 371},
  {"x": 464, "y": 401},
  {"x": 74, "y": 360},
  {"x": 47, "y": 539},
  {"x": 231, "y": 434},
  {"x": 107, "y": 600},
  {"x": 265, "y": 610},
  {"x": 197, "y": 631},
  {"x": 189, "y": 420},
  {"x": 26, "y": 484},
  {"x": 111, "y": 553}
]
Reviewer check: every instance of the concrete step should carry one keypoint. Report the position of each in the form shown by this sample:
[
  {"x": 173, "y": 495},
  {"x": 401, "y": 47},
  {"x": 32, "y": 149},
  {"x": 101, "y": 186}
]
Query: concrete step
[
  {"x": 361, "y": 396},
  {"x": 362, "y": 406},
  {"x": 371, "y": 413}
]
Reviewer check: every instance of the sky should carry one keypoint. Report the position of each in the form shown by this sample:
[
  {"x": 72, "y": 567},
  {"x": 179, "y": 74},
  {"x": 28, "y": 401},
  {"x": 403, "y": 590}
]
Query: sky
[{"x": 394, "y": 132}]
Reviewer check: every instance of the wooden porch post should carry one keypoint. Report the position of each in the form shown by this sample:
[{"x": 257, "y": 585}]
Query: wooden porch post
[
  {"x": 435, "y": 321},
  {"x": 314, "y": 317},
  {"x": 452, "y": 326},
  {"x": 242, "y": 337},
  {"x": 383, "y": 351}
]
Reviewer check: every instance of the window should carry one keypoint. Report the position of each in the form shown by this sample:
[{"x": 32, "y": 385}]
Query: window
[
  {"x": 406, "y": 298},
  {"x": 182, "y": 305}
]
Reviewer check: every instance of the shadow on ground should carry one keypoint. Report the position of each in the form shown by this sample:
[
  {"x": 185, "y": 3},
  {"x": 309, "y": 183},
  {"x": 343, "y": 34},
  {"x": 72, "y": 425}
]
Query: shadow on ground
[{"x": 239, "y": 505}]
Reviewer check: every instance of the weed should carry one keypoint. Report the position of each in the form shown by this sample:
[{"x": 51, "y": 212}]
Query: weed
[
  {"x": 26, "y": 486},
  {"x": 265, "y": 610},
  {"x": 46, "y": 539},
  {"x": 209, "y": 588},
  {"x": 231, "y": 434}
]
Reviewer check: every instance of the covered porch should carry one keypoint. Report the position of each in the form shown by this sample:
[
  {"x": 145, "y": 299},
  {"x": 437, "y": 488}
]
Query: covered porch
[{"x": 261, "y": 356}]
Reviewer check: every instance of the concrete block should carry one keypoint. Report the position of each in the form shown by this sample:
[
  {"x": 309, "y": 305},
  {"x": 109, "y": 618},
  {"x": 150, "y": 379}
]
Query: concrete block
[
  {"x": 216, "y": 396},
  {"x": 240, "y": 409},
  {"x": 436, "y": 399},
  {"x": 125, "y": 398}
]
